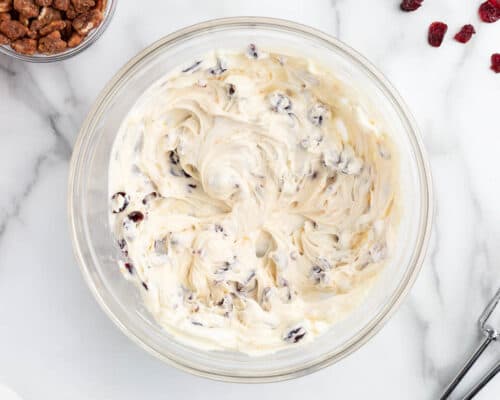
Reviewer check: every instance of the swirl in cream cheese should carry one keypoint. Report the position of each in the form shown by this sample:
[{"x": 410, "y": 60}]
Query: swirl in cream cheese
[{"x": 253, "y": 199}]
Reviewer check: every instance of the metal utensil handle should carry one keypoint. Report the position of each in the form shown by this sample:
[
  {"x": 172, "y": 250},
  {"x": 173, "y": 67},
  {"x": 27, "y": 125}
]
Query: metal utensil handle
[
  {"x": 483, "y": 382},
  {"x": 468, "y": 365},
  {"x": 484, "y": 326}
]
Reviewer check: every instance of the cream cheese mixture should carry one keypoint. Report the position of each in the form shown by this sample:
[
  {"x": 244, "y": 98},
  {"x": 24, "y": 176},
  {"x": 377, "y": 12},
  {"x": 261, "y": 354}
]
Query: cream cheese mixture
[{"x": 254, "y": 200}]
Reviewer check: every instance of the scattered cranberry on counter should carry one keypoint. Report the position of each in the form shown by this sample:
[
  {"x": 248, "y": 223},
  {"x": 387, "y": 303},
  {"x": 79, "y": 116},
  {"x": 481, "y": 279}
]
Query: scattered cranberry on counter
[
  {"x": 495, "y": 62},
  {"x": 464, "y": 35},
  {"x": 489, "y": 11},
  {"x": 437, "y": 30},
  {"x": 410, "y": 5}
]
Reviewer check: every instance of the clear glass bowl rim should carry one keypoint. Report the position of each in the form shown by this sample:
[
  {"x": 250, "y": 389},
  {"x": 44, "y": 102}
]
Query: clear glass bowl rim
[
  {"x": 425, "y": 223},
  {"x": 87, "y": 42}
]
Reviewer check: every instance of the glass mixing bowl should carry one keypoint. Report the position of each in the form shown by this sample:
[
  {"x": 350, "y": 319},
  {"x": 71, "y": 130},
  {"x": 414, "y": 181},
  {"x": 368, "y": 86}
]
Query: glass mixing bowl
[{"x": 95, "y": 246}]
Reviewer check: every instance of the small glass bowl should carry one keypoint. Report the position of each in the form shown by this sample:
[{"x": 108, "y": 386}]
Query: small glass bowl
[
  {"x": 90, "y": 39},
  {"x": 88, "y": 207}
]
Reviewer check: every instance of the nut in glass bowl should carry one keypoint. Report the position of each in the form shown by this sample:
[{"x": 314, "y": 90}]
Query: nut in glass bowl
[{"x": 42, "y": 31}]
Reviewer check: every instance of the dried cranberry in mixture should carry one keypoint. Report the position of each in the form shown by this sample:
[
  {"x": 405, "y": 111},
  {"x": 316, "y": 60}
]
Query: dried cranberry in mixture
[
  {"x": 464, "y": 35},
  {"x": 129, "y": 267},
  {"x": 136, "y": 216},
  {"x": 437, "y": 30},
  {"x": 119, "y": 202}
]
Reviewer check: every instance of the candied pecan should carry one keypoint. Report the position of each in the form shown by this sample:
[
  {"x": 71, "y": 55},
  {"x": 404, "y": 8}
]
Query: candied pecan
[
  {"x": 100, "y": 5},
  {"x": 5, "y": 17},
  {"x": 84, "y": 23},
  {"x": 71, "y": 12},
  {"x": 44, "y": 3},
  {"x": 66, "y": 31},
  {"x": 13, "y": 29},
  {"x": 75, "y": 40},
  {"x": 5, "y": 5},
  {"x": 46, "y": 16},
  {"x": 35, "y": 25},
  {"x": 61, "y": 5},
  {"x": 23, "y": 19},
  {"x": 25, "y": 46},
  {"x": 4, "y": 39},
  {"x": 53, "y": 26},
  {"x": 27, "y": 8},
  {"x": 52, "y": 43},
  {"x": 82, "y": 6}
]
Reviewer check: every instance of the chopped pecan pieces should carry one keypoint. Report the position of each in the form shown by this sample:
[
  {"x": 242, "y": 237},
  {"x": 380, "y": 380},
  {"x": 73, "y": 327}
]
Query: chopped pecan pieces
[
  {"x": 27, "y": 8},
  {"x": 4, "y": 39},
  {"x": 74, "y": 40},
  {"x": 5, "y": 6},
  {"x": 23, "y": 19},
  {"x": 52, "y": 43},
  {"x": 82, "y": 6},
  {"x": 100, "y": 5},
  {"x": 25, "y": 46},
  {"x": 13, "y": 29},
  {"x": 62, "y": 5},
  {"x": 71, "y": 12},
  {"x": 84, "y": 23},
  {"x": 44, "y": 3},
  {"x": 53, "y": 26}
]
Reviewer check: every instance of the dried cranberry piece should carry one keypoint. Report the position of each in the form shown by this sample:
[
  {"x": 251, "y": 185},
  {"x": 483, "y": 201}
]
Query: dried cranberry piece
[
  {"x": 219, "y": 68},
  {"x": 252, "y": 51},
  {"x": 295, "y": 335},
  {"x": 119, "y": 202},
  {"x": 136, "y": 216},
  {"x": 122, "y": 244},
  {"x": 231, "y": 89},
  {"x": 489, "y": 11},
  {"x": 437, "y": 30},
  {"x": 149, "y": 197},
  {"x": 495, "y": 62},
  {"x": 464, "y": 35},
  {"x": 129, "y": 267},
  {"x": 280, "y": 103},
  {"x": 174, "y": 157},
  {"x": 410, "y": 5}
]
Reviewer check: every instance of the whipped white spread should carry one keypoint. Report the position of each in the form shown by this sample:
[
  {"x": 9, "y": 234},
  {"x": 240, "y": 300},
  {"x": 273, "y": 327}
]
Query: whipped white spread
[{"x": 254, "y": 200}]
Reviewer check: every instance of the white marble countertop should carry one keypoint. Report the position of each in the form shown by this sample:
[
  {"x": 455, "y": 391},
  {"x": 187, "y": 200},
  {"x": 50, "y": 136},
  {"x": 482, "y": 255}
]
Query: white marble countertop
[{"x": 55, "y": 342}]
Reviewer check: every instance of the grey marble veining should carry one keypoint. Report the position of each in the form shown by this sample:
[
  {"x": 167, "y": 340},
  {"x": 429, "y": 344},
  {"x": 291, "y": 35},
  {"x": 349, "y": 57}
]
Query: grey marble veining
[{"x": 55, "y": 342}]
